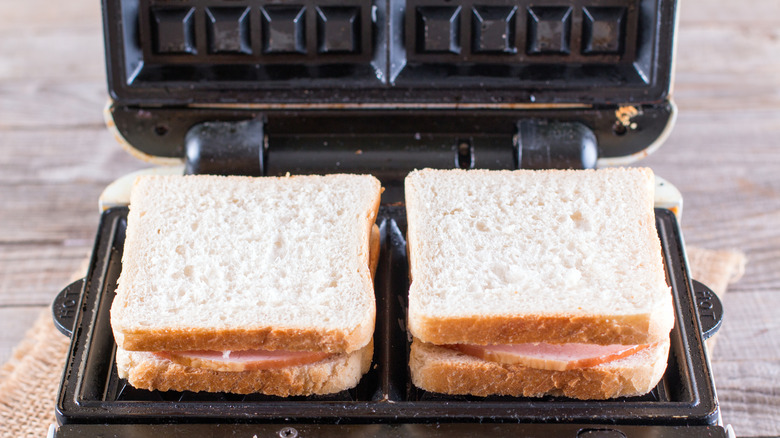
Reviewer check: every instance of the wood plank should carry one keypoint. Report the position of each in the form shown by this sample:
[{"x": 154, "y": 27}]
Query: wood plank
[
  {"x": 713, "y": 91},
  {"x": 54, "y": 54},
  {"x": 707, "y": 68},
  {"x": 711, "y": 48},
  {"x": 44, "y": 14},
  {"x": 60, "y": 171},
  {"x": 52, "y": 105},
  {"x": 750, "y": 328},
  {"x": 749, "y": 396},
  {"x": 746, "y": 363},
  {"x": 33, "y": 274},
  {"x": 727, "y": 55},
  {"x": 54, "y": 41},
  {"x": 16, "y": 322},
  {"x": 69, "y": 155},
  {"x": 51, "y": 213},
  {"x": 728, "y": 12}
]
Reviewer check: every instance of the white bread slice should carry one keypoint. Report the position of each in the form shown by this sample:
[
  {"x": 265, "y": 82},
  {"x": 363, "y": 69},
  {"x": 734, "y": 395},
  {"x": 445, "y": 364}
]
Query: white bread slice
[
  {"x": 237, "y": 263},
  {"x": 508, "y": 257},
  {"x": 443, "y": 370},
  {"x": 341, "y": 371}
]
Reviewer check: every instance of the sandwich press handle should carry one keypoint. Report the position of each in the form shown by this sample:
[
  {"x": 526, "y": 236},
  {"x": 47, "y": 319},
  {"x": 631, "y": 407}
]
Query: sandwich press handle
[
  {"x": 709, "y": 307},
  {"x": 64, "y": 309}
]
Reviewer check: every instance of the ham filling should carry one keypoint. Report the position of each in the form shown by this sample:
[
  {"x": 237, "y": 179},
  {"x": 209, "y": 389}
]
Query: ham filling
[
  {"x": 557, "y": 357},
  {"x": 245, "y": 360}
]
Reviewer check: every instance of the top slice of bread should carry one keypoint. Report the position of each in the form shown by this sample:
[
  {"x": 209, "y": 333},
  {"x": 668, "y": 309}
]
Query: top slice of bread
[
  {"x": 235, "y": 263},
  {"x": 502, "y": 257}
]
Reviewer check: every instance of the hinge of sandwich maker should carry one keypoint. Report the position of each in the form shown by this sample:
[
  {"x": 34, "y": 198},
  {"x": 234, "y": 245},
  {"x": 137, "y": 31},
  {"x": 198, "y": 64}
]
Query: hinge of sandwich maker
[
  {"x": 543, "y": 144},
  {"x": 226, "y": 148},
  {"x": 240, "y": 148},
  {"x": 237, "y": 148}
]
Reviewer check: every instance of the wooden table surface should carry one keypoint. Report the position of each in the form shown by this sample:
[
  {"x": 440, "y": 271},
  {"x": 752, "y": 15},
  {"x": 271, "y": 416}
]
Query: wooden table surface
[{"x": 723, "y": 155}]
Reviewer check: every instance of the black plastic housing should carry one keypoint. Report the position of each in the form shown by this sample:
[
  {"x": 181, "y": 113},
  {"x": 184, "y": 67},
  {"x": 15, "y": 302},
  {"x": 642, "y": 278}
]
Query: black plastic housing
[
  {"x": 91, "y": 392},
  {"x": 388, "y": 431},
  {"x": 161, "y": 132},
  {"x": 383, "y": 64},
  {"x": 342, "y": 52}
]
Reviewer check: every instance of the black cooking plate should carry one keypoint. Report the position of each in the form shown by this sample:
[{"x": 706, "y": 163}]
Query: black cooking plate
[{"x": 91, "y": 392}]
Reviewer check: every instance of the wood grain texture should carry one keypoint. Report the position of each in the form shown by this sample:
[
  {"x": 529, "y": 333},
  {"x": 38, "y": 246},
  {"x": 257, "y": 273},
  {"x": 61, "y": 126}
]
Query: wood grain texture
[
  {"x": 33, "y": 273},
  {"x": 746, "y": 364},
  {"x": 724, "y": 156},
  {"x": 72, "y": 105},
  {"x": 747, "y": 402}
]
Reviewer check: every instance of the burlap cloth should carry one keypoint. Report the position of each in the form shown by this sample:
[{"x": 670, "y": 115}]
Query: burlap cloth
[{"x": 30, "y": 379}]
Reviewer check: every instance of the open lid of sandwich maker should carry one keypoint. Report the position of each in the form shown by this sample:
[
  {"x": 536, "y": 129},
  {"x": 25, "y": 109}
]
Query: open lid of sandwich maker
[
  {"x": 269, "y": 87},
  {"x": 387, "y": 86}
]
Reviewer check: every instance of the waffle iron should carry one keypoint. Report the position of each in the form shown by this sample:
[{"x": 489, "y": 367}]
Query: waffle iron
[{"x": 267, "y": 87}]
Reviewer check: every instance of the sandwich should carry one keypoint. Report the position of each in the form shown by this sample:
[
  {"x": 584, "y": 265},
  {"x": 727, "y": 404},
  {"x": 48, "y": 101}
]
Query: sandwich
[
  {"x": 536, "y": 283},
  {"x": 247, "y": 285}
]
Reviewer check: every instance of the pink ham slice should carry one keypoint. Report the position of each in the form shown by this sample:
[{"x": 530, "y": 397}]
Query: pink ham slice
[
  {"x": 246, "y": 360},
  {"x": 558, "y": 357}
]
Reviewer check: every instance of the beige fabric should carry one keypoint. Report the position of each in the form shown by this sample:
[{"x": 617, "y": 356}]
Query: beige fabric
[{"x": 30, "y": 379}]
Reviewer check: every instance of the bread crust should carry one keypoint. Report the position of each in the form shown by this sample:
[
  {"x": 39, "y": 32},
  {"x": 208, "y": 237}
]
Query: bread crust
[
  {"x": 447, "y": 371},
  {"x": 343, "y": 371},
  {"x": 249, "y": 338},
  {"x": 519, "y": 329}
]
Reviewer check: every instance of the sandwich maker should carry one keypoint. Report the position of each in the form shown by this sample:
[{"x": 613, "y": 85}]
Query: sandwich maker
[{"x": 270, "y": 87}]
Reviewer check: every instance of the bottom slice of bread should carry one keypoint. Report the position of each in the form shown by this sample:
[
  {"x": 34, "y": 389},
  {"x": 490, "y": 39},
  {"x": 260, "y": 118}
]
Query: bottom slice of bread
[
  {"x": 443, "y": 370},
  {"x": 144, "y": 370}
]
